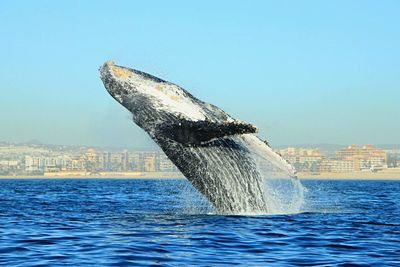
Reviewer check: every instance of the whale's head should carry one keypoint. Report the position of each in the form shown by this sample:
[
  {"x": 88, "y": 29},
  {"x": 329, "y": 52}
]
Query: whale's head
[
  {"x": 150, "y": 98},
  {"x": 167, "y": 110}
]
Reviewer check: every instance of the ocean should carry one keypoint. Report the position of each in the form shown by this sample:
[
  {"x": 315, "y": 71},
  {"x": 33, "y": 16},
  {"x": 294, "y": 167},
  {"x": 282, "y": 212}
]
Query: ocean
[{"x": 116, "y": 222}]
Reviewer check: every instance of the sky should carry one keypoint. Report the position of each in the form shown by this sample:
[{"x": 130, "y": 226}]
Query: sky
[{"x": 304, "y": 72}]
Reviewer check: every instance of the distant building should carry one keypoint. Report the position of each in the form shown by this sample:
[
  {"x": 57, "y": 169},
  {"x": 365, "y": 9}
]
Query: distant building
[
  {"x": 124, "y": 160},
  {"x": 136, "y": 161},
  {"x": 9, "y": 166},
  {"x": 103, "y": 162},
  {"x": 78, "y": 163},
  {"x": 308, "y": 160},
  {"x": 365, "y": 157},
  {"x": 393, "y": 158},
  {"x": 91, "y": 160},
  {"x": 165, "y": 164},
  {"x": 91, "y": 155},
  {"x": 34, "y": 164},
  {"x": 150, "y": 162},
  {"x": 115, "y": 162},
  {"x": 332, "y": 165},
  {"x": 42, "y": 164}
]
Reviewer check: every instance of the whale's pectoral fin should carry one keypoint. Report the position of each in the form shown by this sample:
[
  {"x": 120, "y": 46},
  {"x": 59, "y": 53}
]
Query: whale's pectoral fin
[{"x": 192, "y": 133}]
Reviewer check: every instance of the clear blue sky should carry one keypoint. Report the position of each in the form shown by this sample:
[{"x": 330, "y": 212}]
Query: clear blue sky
[{"x": 303, "y": 71}]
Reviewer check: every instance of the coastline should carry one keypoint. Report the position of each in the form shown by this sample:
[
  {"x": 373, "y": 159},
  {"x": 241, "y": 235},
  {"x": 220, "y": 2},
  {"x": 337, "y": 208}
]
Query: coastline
[
  {"x": 388, "y": 174},
  {"x": 391, "y": 174}
]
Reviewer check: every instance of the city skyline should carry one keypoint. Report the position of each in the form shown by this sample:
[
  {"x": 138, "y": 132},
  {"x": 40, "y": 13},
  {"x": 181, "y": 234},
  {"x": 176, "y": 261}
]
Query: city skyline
[
  {"x": 66, "y": 161},
  {"x": 309, "y": 72}
]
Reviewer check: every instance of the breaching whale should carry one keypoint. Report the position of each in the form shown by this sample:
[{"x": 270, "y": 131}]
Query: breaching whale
[{"x": 218, "y": 154}]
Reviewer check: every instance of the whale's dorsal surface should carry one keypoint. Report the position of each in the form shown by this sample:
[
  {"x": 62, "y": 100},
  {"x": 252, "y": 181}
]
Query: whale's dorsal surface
[{"x": 218, "y": 154}]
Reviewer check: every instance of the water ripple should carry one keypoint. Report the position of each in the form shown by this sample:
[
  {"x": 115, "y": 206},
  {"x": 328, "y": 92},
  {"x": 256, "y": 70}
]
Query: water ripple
[{"x": 153, "y": 222}]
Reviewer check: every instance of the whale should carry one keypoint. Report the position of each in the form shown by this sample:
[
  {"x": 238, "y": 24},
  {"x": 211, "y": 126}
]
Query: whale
[{"x": 220, "y": 155}]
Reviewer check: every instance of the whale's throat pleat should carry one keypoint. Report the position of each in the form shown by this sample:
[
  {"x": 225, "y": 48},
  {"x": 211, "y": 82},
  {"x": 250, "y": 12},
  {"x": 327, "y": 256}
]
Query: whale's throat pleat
[{"x": 194, "y": 133}]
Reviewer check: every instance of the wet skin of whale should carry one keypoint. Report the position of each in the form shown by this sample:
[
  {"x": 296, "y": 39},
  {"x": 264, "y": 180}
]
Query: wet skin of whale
[{"x": 214, "y": 151}]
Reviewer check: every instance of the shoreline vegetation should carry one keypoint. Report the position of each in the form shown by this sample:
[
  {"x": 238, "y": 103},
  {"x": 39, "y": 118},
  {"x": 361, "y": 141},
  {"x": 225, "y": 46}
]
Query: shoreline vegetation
[{"x": 388, "y": 174}]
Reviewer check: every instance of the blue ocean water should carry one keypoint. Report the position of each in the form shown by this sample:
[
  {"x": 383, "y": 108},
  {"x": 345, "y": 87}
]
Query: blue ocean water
[{"x": 106, "y": 222}]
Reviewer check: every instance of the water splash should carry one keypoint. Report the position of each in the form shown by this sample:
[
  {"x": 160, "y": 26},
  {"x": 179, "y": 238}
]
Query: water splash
[
  {"x": 283, "y": 195},
  {"x": 257, "y": 187},
  {"x": 191, "y": 202}
]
